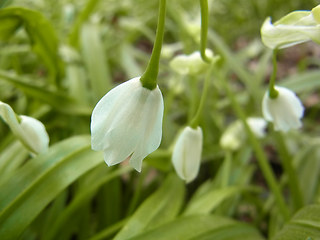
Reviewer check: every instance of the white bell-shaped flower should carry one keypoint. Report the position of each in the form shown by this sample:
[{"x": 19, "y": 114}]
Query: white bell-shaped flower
[
  {"x": 294, "y": 28},
  {"x": 30, "y": 131},
  {"x": 186, "y": 156},
  {"x": 285, "y": 111},
  {"x": 127, "y": 123},
  {"x": 235, "y": 134},
  {"x": 190, "y": 64}
]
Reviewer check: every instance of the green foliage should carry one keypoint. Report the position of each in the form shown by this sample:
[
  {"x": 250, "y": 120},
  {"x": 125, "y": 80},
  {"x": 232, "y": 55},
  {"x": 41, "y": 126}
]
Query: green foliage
[
  {"x": 304, "y": 225},
  {"x": 41, "y": 33},
  {"x": 58, "y": 58}
]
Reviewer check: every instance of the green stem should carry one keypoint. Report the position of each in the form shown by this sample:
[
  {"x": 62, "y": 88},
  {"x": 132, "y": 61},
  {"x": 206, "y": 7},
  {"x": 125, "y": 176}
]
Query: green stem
[
  {"x": 204, "y": 29},
  {"x": 261, "y": 157},
  {"x": 82, "y": 17},
  {"x": 290, "y": 171},
  {"x": 137, "y": 193},
  {"x": 149, "y": 78},
  {"x": 194, "y": 96},
  {"x": 195, "y": 121},
  {"x": 226, "y": 169},
  {"x": 273, "y": 93}
]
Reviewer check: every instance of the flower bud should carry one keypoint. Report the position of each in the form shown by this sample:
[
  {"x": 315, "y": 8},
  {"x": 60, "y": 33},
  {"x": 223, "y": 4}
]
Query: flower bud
[
  {"x": 30, "y": 131},
  {"x": 186, "y": 156}
]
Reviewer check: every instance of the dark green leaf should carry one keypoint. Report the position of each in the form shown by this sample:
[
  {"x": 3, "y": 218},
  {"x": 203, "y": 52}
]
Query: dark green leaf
[{"x": 39, "y": 181}]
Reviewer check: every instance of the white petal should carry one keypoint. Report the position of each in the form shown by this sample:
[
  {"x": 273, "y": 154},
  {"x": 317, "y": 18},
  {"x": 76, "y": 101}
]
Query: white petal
[
  {"x": 233, "y": 136},
  {"x": 127, "y": 122},
  {"x": 258, "y": 126},
  {"x": 294, "y": 28},
  {"x": 285, "y": 111},
  {"x": 186, "y": 156},
  {"x": 34, "y": 133},
  {"x": 180, "y": 64},
  {"x": 9, "y": 116},
  {"x": 265, "y": 107},
  {"x": 30, "y": 131},
  {"x": 151, "y": 128},
  {"x": 190, "y": 64},
  {"x": 109, "y": 109}
]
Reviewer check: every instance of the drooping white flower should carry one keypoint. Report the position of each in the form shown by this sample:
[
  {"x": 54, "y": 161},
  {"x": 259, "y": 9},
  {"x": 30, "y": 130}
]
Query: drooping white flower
[
  {"x": 294, "y": 28},
  {"x": 186, "y": 156},
  {"x": 127, "y": 123},
  {"x": 30, "y": 131},
  {"x": 235, "y": 134},
  {"x": 285, "y": 111},
  {"x": 190, "y": 64}
]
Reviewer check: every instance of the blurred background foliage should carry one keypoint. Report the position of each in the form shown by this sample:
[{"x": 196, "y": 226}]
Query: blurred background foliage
[{"x": 58, "y": 58}]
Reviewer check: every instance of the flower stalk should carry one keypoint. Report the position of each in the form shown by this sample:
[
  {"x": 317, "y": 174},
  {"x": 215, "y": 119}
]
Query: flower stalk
[
  {"x": 149, "y": 78},
  {"x": 273, "y": 93},
  {"x": 195, "y": 120},
  {"x": 293, "y": 182},
  {"x": 261, "y": 156},
  {"x": 204, "y": 29}
]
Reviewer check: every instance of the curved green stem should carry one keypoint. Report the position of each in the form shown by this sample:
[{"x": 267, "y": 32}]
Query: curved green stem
[
  {"x": 149, "y": 78},
  {"x": 293, "y": 181},
  {"x": 195, "y": 121},
  {"x": 273, "y": 93},
  {"x": 260, "y": 155},
  {"x": 204, "y": 29}
]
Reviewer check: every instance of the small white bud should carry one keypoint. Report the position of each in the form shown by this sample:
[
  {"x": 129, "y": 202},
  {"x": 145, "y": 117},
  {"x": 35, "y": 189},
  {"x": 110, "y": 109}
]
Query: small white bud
[{"x": 186, "y": 156}]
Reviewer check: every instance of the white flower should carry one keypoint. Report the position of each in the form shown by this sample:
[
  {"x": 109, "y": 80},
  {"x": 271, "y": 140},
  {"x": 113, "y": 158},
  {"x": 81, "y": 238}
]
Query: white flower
[
  {"x": 235, "y": 134},
  {"x": 193, "y": 27},
  {"x": 190, "y": 64},
  {"x": 127, "y": 123},
  {"x": 258, "y": 126},
  {"x": 285, "y": 111},
  {"x": 294, "y": 28},
  {"x": 186, "y": 156},
  {"x": 168, "y": 50},
  {"x": 30, "y": 131}
]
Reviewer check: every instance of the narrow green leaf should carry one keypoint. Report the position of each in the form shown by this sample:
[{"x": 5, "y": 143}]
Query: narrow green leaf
[
  {"x": 39, "y": 181},
  {"x": 305, "y": 81},
  {"x": 82, "y": 17},
  {"x": 11, "y": 158},
  {"x": 309, "y": 171},
  {"x": 305, "y": 225},
  {"x": 211, "y": 200},
  {"x": 80, "y": 200},
  {"x": 231, "y": 232},
  {"x": 200, "y": 227},
  {"x": 128, "y": 62},
  {"x": 159, "y": 208},
  {"x": 95, "y": 60},
  {"x": 58, "y": 100},
  {"x": 44, "y": 41}
]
